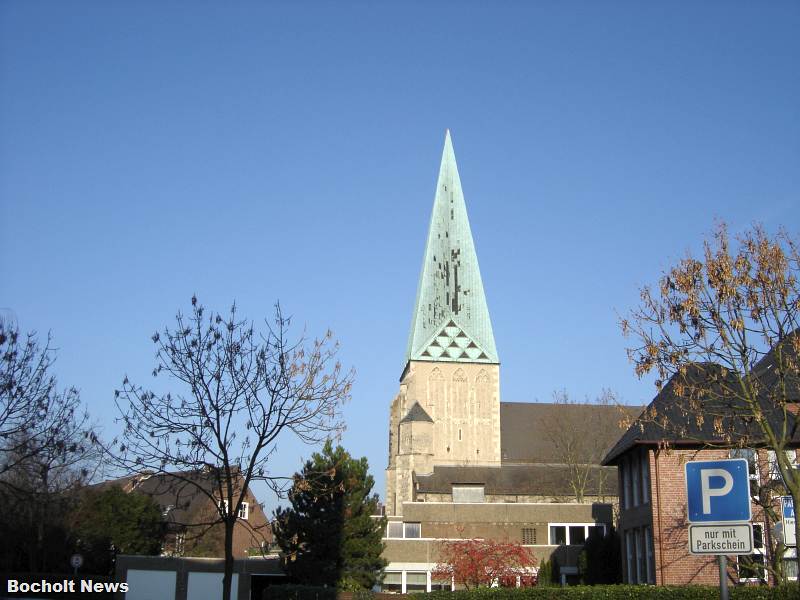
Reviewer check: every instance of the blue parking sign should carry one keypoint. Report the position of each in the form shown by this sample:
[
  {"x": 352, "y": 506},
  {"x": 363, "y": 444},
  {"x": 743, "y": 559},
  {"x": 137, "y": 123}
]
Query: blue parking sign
[
  {"x": 718, "y": 491},
  {"x": 787, "y": 507}
]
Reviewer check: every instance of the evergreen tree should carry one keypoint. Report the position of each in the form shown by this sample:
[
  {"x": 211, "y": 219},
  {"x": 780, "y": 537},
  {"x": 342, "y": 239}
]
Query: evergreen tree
[
  {"x": 329, "y": 535},
  {"x": 602, "y": 559},
  {"x": 110, "y": 522}
]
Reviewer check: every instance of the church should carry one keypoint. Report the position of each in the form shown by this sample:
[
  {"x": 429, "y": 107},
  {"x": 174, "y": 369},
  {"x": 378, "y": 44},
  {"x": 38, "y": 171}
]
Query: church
[{"x": 462, "y": 463}]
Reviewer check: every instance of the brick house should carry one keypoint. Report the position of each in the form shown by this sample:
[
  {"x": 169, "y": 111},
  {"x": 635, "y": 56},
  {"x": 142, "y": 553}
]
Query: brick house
[
  {"x": 190, "y": 514},
  {"x": 650, "y": 458}
]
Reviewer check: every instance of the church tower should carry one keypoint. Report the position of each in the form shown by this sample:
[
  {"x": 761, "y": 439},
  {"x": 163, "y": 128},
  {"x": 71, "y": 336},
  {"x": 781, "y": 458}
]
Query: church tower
[{"x": 447, "y": 411}]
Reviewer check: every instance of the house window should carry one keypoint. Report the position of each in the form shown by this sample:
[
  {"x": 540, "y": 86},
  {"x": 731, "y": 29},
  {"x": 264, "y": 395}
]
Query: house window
[
  {"x": 634, "y": 468},
  {"x": 528, "y": 536},
  {"x": 558, "y": 535},
  {"x": 577, "y": 534},
  {"x": 597, "y": 531},
  {"x": 468, "y": 493},
  {"x": 774, "y": 469},
  {"x": 626, "y": 479},
  {"x": 416, "y": 582},
  {"x": 751, "y": 566},
  {"x": 244, "y": 509},
  {"x": 751, "y": 457},
  {"x": 790, "y": 564},
  {"x": 411, "y": 530},
  {"x": 648, "y": 547},
  {"x": 645, "y": 462},
  {"x": 637, "y": 540},
  {"x": 394, "y": 529},
  {"x": 629, "y": 555},
  {"x": 574, "y": 534},
  {"x": 392, "y": 582}
]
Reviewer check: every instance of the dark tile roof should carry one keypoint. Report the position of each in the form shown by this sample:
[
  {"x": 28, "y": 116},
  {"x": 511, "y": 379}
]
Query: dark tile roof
[
  {"x": 181, "y": 495},
  {"x": 416, "y": 413},
  {"x": 672, "y": 419},
  {"x": 528, "y": 480},
  {"x": 526, "y": 429},
  {"x": 777, "y": 372}
]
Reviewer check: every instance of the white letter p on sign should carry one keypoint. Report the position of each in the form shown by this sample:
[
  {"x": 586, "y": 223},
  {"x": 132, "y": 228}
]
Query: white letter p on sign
[{"x": 707, "y": 491}]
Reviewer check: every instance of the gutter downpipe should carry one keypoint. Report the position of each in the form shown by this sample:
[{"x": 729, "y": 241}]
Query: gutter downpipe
[{"x": 656, "y": 454}]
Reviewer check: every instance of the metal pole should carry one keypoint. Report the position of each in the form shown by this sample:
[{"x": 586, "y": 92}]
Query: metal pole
[{"x": 723, "y": 577}]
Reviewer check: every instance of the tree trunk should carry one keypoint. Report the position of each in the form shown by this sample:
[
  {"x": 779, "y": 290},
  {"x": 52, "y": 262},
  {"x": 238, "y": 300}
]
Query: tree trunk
[{"x": 228, "y": 576}]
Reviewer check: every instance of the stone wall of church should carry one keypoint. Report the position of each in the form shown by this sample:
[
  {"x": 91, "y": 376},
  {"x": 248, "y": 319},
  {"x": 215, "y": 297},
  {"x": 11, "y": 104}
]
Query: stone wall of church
[{"x": 463, "y": 399}]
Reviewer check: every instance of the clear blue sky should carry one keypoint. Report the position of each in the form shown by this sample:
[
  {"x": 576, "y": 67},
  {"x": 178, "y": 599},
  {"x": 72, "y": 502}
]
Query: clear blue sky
[{"x": 263, "y": 151}]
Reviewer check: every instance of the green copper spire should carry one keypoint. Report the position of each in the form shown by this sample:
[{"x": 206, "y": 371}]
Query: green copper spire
[{"x": 451, "y": 320}]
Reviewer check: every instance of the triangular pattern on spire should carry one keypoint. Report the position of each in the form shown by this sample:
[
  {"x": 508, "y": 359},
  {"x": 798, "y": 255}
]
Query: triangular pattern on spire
[
  {"x": 451, "y": 343},
  {"x": 451, "y": 318}
]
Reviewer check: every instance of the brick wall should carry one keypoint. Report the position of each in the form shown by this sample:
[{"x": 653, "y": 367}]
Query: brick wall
[
  {"x": 665, "y": 514},
  {"x": 674, "y": 564}
]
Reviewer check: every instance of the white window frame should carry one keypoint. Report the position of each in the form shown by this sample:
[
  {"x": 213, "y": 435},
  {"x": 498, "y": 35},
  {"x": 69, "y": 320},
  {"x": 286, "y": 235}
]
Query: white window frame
[
  {"x": 409, "y": 525},
  {"x": 402, "y": 582},
  {"x": 244, "y": 510},
  {"x": 791, "y": 554},
  {"x": 389, "y": 532},
  {"x": 406, "y": 583},
  {"x": 756, "y": 551},
  {"x": 567, "y": 535},
  {"x": 734, "y": 453},
  {"x": 772, "y": 461}
]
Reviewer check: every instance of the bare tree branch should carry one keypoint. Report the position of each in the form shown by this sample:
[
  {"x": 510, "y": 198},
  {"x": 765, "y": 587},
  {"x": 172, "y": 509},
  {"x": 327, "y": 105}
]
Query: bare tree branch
[{"x": 238, "y": 391}]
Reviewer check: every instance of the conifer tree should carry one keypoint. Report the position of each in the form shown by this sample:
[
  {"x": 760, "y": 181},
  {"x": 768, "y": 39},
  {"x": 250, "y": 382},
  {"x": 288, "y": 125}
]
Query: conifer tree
[{"x": 329, "y": 535}]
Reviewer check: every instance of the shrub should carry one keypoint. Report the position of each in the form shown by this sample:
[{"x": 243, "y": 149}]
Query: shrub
[
  {"x": 299, "y": 592},
  {"x": 621, "y": 592}
]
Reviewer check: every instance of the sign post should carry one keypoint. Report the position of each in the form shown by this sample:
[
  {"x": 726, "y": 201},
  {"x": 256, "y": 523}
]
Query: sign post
[
  {"x": 719, "y": 511},
  {"x": 76, "y": 560}
]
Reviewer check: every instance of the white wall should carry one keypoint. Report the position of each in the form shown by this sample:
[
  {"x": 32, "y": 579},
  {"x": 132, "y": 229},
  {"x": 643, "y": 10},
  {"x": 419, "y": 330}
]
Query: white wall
[
  {"x": 151, "y": 585},
  {"x": 208, "y": 586}
]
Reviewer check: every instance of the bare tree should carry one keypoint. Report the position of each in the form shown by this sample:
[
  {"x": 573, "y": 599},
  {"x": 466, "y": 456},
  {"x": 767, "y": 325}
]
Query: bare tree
[
  {"x": 34, "y": 415},
  {"x": 239, "y": 390},
  {"x": 47, "y": 446},
  {"x": 580, "y": 434},
  {"x": 723, "y": 329}
]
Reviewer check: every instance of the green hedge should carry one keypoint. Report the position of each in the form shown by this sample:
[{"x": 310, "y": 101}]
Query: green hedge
[
  {"x": 299, "y": 592},
  {"x": 582, "y": 592},
  {"x": 621, "y": 592}
]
